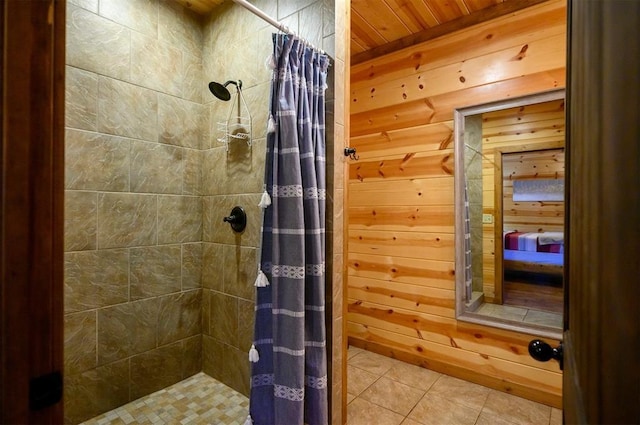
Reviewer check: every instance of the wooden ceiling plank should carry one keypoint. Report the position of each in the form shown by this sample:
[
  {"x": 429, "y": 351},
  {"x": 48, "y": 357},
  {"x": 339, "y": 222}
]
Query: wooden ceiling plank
[
  {"x": 414, "y": 13},
  {"x": 380, "y": 17},
  {"x": 201, "y": 7},
  {"x": 362, "y": 31},
  {"x": 474, "y": 18}
]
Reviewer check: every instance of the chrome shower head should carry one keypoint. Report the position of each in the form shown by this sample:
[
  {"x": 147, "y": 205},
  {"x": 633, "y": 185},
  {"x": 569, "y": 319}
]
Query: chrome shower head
[{"x": 220, "y": 90}]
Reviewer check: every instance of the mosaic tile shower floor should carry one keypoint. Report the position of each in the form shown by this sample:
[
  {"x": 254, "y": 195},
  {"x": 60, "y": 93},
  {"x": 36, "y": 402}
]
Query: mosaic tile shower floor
[{"x": 196, "y": 400}]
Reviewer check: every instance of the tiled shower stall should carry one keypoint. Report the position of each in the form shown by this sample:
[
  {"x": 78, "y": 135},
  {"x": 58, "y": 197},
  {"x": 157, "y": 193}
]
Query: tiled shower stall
[{"x": 157, "y": 287}]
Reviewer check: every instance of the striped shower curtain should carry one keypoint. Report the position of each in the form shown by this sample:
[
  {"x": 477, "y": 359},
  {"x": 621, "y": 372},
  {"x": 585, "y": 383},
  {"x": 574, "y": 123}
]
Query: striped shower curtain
[{"x": 289, "y": 380}]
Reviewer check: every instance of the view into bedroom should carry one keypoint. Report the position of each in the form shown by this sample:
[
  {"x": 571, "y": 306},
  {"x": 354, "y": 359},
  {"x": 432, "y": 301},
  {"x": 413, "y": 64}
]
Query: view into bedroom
[{"x": 515, "y": 175}]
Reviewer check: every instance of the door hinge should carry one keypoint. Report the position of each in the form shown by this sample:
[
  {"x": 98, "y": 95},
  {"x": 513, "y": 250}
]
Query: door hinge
[{"x": 45, "y": 390}]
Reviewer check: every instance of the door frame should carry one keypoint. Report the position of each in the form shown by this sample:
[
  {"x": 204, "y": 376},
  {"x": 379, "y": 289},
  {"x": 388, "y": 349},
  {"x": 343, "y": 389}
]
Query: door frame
[{"x": 32, "y": 230}]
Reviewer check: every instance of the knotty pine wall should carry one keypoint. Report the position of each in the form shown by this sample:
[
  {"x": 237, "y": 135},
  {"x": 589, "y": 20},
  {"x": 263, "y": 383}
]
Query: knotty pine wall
[
  {"x": 400, "y": 205},
  {"x": 512, "y": 140}
]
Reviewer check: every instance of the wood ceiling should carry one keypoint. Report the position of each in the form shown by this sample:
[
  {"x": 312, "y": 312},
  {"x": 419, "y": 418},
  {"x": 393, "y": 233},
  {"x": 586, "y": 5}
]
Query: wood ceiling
[{"x": 379, "y": 27}]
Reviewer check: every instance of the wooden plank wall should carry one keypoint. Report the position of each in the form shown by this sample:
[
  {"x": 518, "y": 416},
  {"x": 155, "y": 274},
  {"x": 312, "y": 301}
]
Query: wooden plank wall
[
  {"x": 522, "y": 129},
  {"x": 400, "y": 210}
]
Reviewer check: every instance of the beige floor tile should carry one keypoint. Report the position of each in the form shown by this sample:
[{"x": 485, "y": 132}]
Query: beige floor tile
[
  {"x": 359, "y": 380},
  {"x": 393, "y": 395},
  {"x": 460, "y": 392},
  {"x": 410, "y": 422},
  {"x": 362, "y": 412},
  {"x": 488, "y": 419},
  {"x": 556, "y": 416},
  {"x": 544, "y": 318},
  {"x": 352, "y": 351},
  {"x": 435, "y": 410},
  {"x": 515, "y": 409},
  {"x": 350, "y": 397},
  {"x": 414, "y": 376},
  {"x": 372, "y": 362},
  {"x": 502, "y": 311}
]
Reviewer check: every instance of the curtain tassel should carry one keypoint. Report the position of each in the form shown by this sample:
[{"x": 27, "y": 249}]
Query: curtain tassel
[
  {"x": 261, "y": 280},
  {"x": 248, "y": 421},
  {"x": 271, "y": 125},
  {"x": 253, "y": 354},
  {"x": 265, "y": 201}
]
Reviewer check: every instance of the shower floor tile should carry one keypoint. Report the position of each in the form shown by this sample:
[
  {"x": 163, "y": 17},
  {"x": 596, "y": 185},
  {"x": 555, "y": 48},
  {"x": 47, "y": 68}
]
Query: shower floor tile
[{"x": 196, "y": 400}]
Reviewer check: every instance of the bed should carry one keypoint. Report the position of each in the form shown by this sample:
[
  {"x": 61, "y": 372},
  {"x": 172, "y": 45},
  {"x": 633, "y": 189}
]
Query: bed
[{"x": 534, "y": 252}]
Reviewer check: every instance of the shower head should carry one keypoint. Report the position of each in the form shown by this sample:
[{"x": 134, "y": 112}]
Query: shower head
[{"x": 220, "y": 90}]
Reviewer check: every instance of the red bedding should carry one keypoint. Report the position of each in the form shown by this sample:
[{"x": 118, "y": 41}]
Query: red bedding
[{"x": 520, "y": 241}]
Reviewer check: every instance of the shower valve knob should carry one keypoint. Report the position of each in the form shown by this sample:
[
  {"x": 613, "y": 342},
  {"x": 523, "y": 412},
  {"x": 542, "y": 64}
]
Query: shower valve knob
[{"x": 237, "y": 219}]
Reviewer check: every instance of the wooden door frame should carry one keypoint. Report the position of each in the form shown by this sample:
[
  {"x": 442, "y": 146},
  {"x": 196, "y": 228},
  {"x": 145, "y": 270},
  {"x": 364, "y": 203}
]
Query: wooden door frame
[
  {"x": 32, "y": 230},
  {"x": 602, "y": 335}
]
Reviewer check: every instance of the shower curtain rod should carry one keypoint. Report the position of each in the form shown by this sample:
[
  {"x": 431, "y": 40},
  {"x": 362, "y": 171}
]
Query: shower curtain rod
[{"x": 282, "y": 27}]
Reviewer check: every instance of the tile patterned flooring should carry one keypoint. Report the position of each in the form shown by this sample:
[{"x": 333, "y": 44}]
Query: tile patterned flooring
[
  {"x": 385, "y": 391},
  {"x": 380, "y": 391},
  {"x": 196, "y": 400}
]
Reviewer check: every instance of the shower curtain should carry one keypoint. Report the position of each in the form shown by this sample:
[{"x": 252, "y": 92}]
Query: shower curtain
[{"x": 289, "y": 381}]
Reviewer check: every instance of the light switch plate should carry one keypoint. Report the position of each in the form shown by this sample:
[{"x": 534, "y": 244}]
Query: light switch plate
[{"x": 487, "y": 218}]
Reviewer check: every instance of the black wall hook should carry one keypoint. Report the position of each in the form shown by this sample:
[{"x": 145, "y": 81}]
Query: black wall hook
[
  {"x": 237, "y": 219},
  {"x": 351, "y": 153}
]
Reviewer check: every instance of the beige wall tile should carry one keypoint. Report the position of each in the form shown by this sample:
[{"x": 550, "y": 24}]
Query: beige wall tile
[
  {"x": 236, "y": 369},
  {"x": 257, "y": 98},
  {"x": 287, "y": 7},
  {"x": 140, "y": 15},
  {"x": 126, "y": 220},
  {"x": 80, "y": 344},
  {"x": 127, "y": 329},
  {"x": 96, "y": 162},
  {"x": 182, "y": 122},
  {"x": 127, "y": 110},
  {"x": 156, "y": 168},
  {"x": 215, "y": 230},
  {"x": 310, "y": 19},
  {"x": 156, "y": 65},
  {"x": 155, "y": 271},
  {"x": 81, "y": 99},
  {"x": 212, "y": 357},
  {"x": 224, "y": 318},
  {"x": 191, "y": 265},
  {"x": 180, "y": 316},
  {"x": 97, "y": 44},
  {"x": 155, "y": 370},
  {"x": 214, "y": 171},
  {"x": 95, "y": 279},
  {"x": 213, "y": 266},
  {"x": 328, "y": 17},
  {"x": 181, "y": 27},
  {"x": 96, "y": 391},
  {"x": 192, "y": 173},
  {"x": 194, "y": 84},
  {"x": 246, "y": 319},
  {"x": 179, "y": 219},
  {"x": 90, "y": 5},
  {"x": 240, "y": 271},
  {"x": 191, "y": 356},
  {"x": 206, "y": 312},
  {"x": 80, "y": 220}
]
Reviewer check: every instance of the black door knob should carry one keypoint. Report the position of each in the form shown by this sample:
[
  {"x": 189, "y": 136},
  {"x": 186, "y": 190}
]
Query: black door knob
[{"x": 543, "y": 352}]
